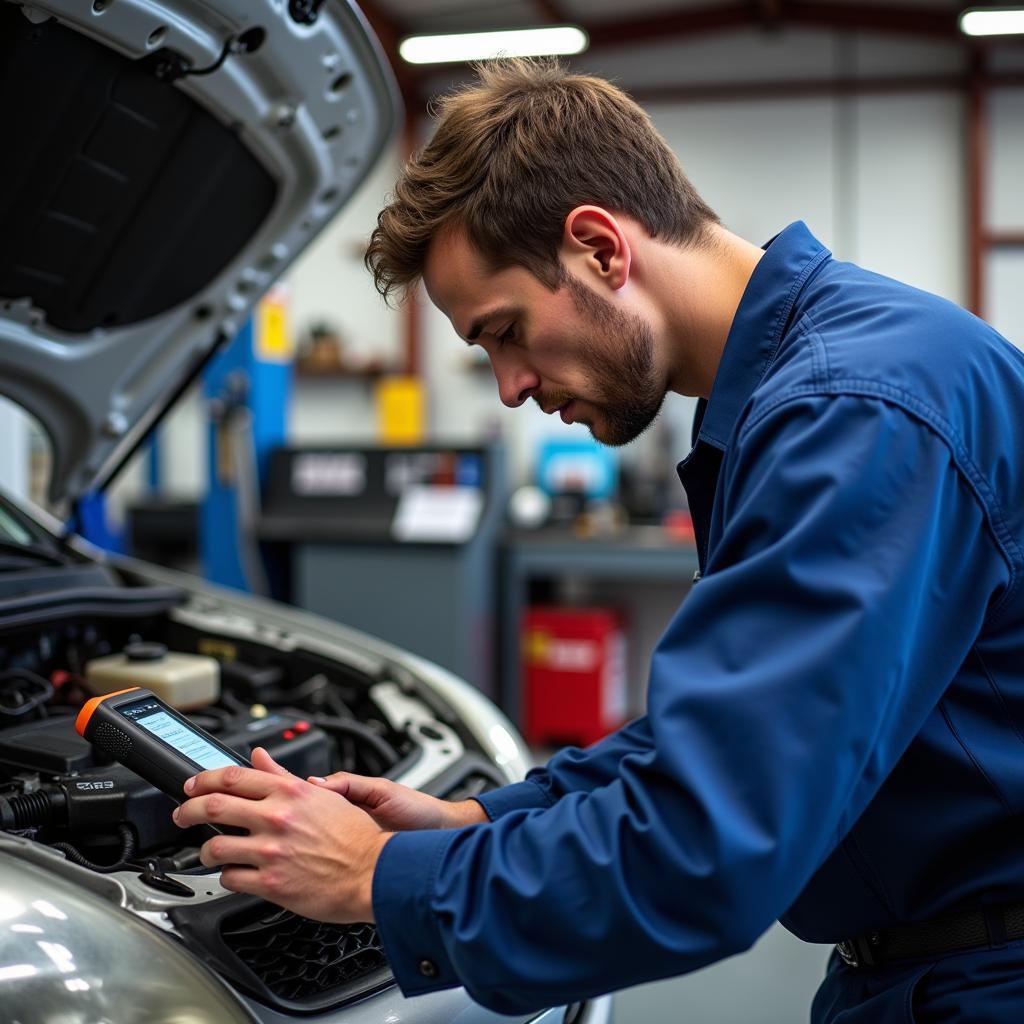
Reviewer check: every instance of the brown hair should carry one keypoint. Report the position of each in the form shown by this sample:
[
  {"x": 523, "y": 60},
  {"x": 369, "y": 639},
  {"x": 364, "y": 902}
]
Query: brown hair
[{"x": 513, "y": 154}]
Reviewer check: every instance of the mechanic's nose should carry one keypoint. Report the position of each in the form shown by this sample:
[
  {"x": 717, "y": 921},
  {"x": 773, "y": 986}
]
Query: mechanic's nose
[{"x": 516, "y": 382}]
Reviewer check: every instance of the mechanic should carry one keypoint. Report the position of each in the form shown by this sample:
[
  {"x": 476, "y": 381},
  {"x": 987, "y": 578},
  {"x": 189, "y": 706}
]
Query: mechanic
[{"x": 835, "y": 723}]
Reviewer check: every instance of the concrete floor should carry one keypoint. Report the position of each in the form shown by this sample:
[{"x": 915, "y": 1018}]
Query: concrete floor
[{"x": 773, "y": 983}]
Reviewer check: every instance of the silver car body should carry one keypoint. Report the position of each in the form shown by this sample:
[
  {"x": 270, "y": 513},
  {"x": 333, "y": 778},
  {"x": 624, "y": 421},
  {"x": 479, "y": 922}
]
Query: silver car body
[{"x": 78, "y": 947}]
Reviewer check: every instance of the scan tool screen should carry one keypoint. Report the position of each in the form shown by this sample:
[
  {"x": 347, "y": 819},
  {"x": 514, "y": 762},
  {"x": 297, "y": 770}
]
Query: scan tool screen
[{"x": 177, "y": 733}]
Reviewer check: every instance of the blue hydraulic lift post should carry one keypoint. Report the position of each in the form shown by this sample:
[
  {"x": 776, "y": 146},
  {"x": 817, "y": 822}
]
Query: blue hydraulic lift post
[
  {"x": 154, "y": 465},
  {"x": 89, "y": 517},
  {"x": 89, "y": 520},
  {"x": 250, "y": 378}
]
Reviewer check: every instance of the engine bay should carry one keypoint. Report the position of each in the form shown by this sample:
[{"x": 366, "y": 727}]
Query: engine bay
[
  {"x": 56, "y": 788},
  {"x": 316, "y": 706}
]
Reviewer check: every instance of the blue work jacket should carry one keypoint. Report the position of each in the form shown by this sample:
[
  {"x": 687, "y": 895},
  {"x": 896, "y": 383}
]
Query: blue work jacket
[{"x": 835, "y": 724}]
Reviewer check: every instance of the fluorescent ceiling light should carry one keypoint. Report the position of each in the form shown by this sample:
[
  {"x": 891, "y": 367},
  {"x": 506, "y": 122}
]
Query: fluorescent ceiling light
[
  {"x": 1008, "y": 21},
  {"x": 527, "y": 42}
]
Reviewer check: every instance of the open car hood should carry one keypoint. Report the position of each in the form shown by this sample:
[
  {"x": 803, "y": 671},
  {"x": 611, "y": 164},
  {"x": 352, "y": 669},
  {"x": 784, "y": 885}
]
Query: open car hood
[{"x": 164, "y": 161}]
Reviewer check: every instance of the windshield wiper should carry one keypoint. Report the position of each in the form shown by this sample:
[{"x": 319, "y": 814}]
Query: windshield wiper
[{"x": 32, "y": 552}]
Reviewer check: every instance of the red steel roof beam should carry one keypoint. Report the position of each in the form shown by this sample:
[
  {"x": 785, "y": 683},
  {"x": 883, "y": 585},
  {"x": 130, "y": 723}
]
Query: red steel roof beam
[
  {"x": 876, "y": 17},
  {"x": 694, "y": 21},
  {"x": 870, "y": 17},
  {"x": 769, "y": 11},
  {"x": 552, "y": 12}
]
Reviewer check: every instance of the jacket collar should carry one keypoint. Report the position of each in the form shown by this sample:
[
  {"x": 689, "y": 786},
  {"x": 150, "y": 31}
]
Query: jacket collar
[{"x": 761, "y": 319}]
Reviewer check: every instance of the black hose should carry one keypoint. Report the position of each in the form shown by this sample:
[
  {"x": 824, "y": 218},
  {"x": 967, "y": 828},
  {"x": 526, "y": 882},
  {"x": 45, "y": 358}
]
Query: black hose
[
  {"x": 31, "y": 810},
  {"x": 22, "y": 691},
  {"x": 128, "y": 841},
  {"x": 213, "y": 719},
  {"x": 347, "y": 754},
  {"x": 313, "y": 687},
  {"x": 346, "y": 745},
  {"x": 337, "y": 705},
  {"x": 75, "y": 855},
  {"x": 383, "y": 750},
  {"x": 317, "y": 690},
  {"x": 234, "y": 706},
  {"x": 185, "y": 861}
]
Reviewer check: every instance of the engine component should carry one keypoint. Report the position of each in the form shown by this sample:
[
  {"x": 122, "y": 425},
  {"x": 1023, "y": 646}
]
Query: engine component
[
  {"x": 51, "y": 747},
  {"x": 252, "y": 683},
  {"x": 293, "y": 741},
  {"x": 185, "y": 681},
  {"x": 87, "y": 805},
  {"x": 155, "y": 876},
  {"x": 22, "y": 691}
]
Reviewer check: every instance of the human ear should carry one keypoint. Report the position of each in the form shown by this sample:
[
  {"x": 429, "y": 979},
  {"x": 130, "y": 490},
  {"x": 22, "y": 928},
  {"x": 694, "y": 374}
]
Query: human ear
[{"x": 594, "y": 244}]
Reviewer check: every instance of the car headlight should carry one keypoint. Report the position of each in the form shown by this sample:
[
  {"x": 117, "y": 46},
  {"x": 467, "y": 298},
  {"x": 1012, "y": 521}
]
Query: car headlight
[{"x": 68, "y": 957}]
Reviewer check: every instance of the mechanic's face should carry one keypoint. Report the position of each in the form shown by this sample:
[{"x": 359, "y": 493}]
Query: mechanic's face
[{"x": 572, "y": 351}]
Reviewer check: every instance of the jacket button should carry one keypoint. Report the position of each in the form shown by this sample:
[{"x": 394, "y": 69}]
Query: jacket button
[{"x": 428, "y": 968}]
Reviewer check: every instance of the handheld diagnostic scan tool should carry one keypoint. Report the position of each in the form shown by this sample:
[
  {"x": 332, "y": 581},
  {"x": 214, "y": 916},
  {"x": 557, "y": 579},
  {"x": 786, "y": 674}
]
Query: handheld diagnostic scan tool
[{"x": 148, "y": 736}]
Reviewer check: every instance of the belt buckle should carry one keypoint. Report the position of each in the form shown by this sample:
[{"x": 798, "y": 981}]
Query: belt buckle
[
  {"x": 848, "y": 953},
  {"x": 858, "y": 952}
]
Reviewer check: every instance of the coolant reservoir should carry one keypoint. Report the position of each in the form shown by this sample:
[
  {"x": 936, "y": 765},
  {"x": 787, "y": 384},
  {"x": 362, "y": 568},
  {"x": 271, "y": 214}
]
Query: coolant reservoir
[{"x": 185, "y": 681}]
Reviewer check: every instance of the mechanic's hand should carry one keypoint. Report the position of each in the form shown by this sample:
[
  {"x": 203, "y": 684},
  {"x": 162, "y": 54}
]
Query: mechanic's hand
[
  {"x": 307, "y": 850},
  {"x": 398, "y": 808}
]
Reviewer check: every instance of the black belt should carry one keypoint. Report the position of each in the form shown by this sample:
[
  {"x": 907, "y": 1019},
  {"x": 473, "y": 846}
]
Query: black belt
[{"x": 992, "y": 928}]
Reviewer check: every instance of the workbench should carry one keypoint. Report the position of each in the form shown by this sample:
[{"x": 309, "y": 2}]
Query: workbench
[{"x": 639, "y": 554}]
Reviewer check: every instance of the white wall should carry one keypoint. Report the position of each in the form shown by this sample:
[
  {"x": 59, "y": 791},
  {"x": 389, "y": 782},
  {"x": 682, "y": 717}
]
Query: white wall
[
  {"x": 329, "y": 283},
  {"x": 1004, "y": 300},
  {"x": 1006, "y": 197},
  {"x": 14, "y": 450},
  {"x": 1006, "y": 294}
]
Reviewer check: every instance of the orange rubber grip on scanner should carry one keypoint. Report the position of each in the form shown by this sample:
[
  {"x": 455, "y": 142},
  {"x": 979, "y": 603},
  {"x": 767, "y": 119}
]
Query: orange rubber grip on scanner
[{"x": 92, "y": 704}]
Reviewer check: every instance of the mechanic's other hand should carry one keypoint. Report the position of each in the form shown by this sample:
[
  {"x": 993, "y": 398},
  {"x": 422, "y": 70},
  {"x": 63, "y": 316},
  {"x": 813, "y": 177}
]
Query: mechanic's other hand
[
  {"x": 307, "y": 849},
  {"x": 398, "y": 808}
]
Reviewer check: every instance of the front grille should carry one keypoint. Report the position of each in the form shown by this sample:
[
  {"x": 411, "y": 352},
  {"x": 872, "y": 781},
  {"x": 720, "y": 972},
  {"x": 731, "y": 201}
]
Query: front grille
[
  {"x": 285, "y": 961},
  {"x": 292, "y": 963},
  {"x": 297, "y": 958}
]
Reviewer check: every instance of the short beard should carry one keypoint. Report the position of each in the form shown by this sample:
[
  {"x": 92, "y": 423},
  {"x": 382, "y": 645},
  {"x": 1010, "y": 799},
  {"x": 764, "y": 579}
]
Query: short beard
[{"x": 628, "y": 390}]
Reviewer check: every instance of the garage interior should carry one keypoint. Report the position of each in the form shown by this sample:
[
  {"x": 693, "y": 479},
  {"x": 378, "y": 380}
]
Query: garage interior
[{"x": 356, "y": 462}]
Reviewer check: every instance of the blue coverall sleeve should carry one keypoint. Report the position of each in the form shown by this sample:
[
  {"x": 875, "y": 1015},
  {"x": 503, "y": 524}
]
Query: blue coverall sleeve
[
  {"x": 571, "y": 770},
  {"x": 849, "y": 584}
]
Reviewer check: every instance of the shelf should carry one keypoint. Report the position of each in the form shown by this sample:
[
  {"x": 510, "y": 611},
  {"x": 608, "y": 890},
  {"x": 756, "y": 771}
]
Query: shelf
[
  {"x": 1005, "y": 239},
  {"x": 374, "y": 373},
  {"x": 642, "y": 554}
]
